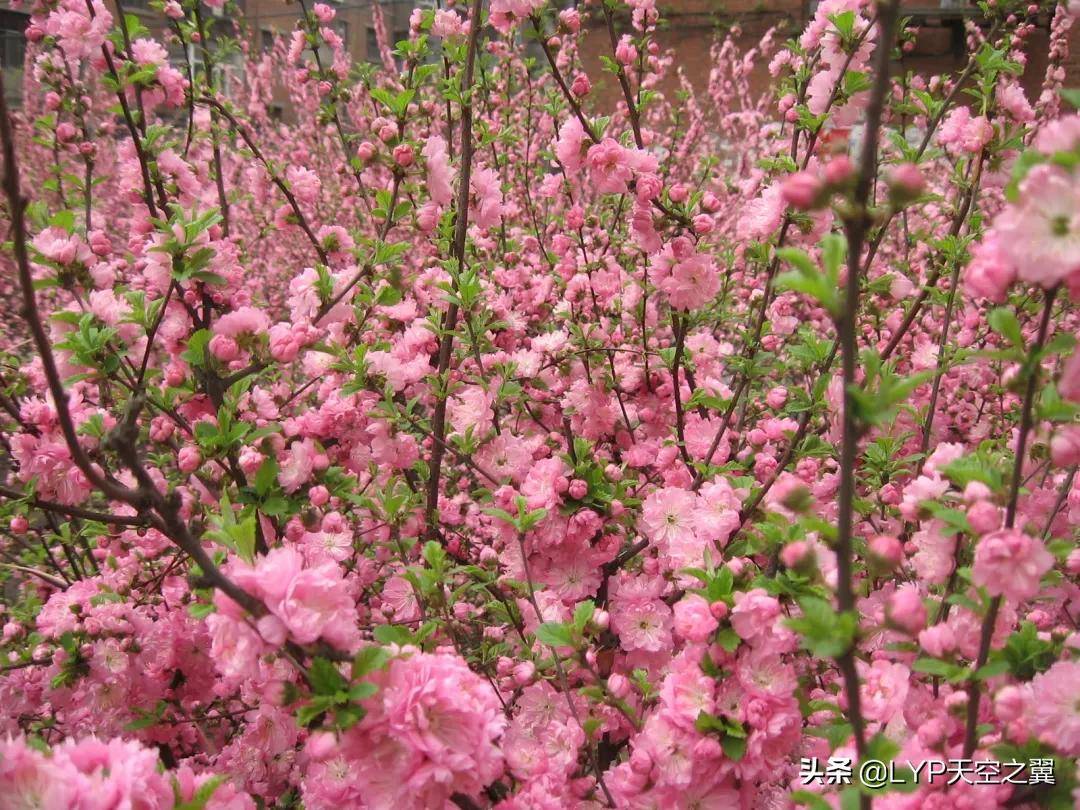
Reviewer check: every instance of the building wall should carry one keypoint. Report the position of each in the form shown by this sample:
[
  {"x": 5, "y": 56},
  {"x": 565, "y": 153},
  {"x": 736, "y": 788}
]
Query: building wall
[
  {"x": 690, "y": 29},
  {"x": 693, "y": 25}
]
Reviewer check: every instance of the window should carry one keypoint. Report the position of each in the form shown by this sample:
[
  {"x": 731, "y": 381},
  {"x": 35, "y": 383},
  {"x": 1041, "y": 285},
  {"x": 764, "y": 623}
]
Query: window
[
  {"x": 12, "y": 39},
  {"x": 267, "y": 38},
  {"x": 373, "y": 55},
  {"x": 372, "y": 46}
]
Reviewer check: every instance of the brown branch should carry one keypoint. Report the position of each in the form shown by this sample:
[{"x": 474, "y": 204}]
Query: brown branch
[
  {"x": 856, "y": 226},
  {"x": 1026, "y": 422},
  {"x": 461, "y": 228},
  {"x": 283, "y": 187},
  {"x": 75, "y": 511},
  {"x": 17, "y": 210}
]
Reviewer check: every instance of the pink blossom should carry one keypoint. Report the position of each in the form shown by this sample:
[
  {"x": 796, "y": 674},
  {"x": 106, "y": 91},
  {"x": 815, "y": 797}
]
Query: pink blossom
[
  {"x": 643, "y": 625},
  {"x": 612, "y": 166},
  {"x": 439, "y": 174},
  {"x": 1052, "y": 712},
  {"x": 693, "y": 282},
  {"x": 884, "y": 690},
  {"x": 430, "y": 732},
  {"x": 754, "y": 613},
  {"x": 693, "y": 619},
  {"x": 1041, "y": 236},
  {"x": 1009, "y": 563},
  {"x": 246, "y": 320}
]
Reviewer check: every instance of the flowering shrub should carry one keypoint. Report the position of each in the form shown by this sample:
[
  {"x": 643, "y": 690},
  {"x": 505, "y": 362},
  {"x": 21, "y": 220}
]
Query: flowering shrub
[{"x": 477, "y": 442}]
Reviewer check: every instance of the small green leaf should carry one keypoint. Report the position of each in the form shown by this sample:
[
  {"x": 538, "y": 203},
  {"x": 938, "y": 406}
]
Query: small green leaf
[
  {"x": 554, "y": 635},
  {"x": 325, "y": 678},
  {"x": 368, "y": 660}
]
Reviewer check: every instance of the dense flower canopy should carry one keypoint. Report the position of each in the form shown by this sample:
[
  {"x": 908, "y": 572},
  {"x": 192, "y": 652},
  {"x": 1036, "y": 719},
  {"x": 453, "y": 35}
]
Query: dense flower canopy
[{"x": 502, "y": 434}]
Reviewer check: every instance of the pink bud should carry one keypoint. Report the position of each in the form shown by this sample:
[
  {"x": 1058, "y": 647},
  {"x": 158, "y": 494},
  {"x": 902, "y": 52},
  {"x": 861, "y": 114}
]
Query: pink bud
[
  {"x": 908, "y": 181},
  {"x": 66, "y": 132},
  {"x": 581, "y": 86},
  {"x": 524, "y": 673},
  {"x": 404, "y": 155},
  {"x": 839, "y": 170},
  {"x": 272, "y": 629},
  {"x": 776, "y": 397},
  {"x": 601, "y": 619},
  {"x": 319, "y": 495},
  {"x": 1009, "y": 703},
  {"x": 188, "y": 459},
  {"x": 19, "y": 525},
  {"x": 366, "y": 151},
  {"x": 976, "y": 491},
  {"x": 719, "y": 610},
  {"x": 578, "y": 489},
  {"x": 640, "y": 761},
  {"x": 321, "y": 745},
  {"x": 1065, "y": 446},
  {"x": 618, "y": 685},
  {"x": 984, "y": 517},
  {"x": 796, "y": 554},
  {"x": 938, "y": 640},
  {"x": 224, "y": 348},
  {"x": 801, "y": 190},
  {"x": 1072, "y": 562},
  {"x": 886, "y": 551},
  {"x": 905, "y": 610}
]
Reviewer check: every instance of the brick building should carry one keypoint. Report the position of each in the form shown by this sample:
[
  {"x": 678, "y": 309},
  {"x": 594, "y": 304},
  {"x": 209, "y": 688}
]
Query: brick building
[
  {"x": 940, "y": 47},
  {"x": 690, "y": 26},
  {"x": 259, "y": 23}
]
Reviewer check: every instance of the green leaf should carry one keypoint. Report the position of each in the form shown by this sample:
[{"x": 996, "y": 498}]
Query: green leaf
[
  {"x": 195, "y": 354},
  {"x": 201, "y": 796},
  {"x": 991, "y": 670},
  {"x": 933, "y": 666},
  {"x": 583, "y": 613},
  {"x": 244, "y": 536},
  {"x": 368, "y": 660},
  {"x": 307, "y": 714},
  {"x": 392, "y": 634},
  {"x": 1071, "y": 95},
  {"x": 825, "y": 632},
  {"x": 1003, "y": 321},
  {"x": 325, "y": 678},
  {"x": 266, "y": 477},
  {"x": 363, "y": 690},
  {"x": 734, "y": 747},
  {"x": 728, "y": 639},
  {"x": 200, "y": 610},
  {"x": 554, "y": 634}
]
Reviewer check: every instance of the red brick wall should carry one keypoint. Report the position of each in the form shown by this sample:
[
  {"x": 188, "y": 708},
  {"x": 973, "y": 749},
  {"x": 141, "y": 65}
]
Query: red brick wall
[{"x": 692, "y": 26}]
